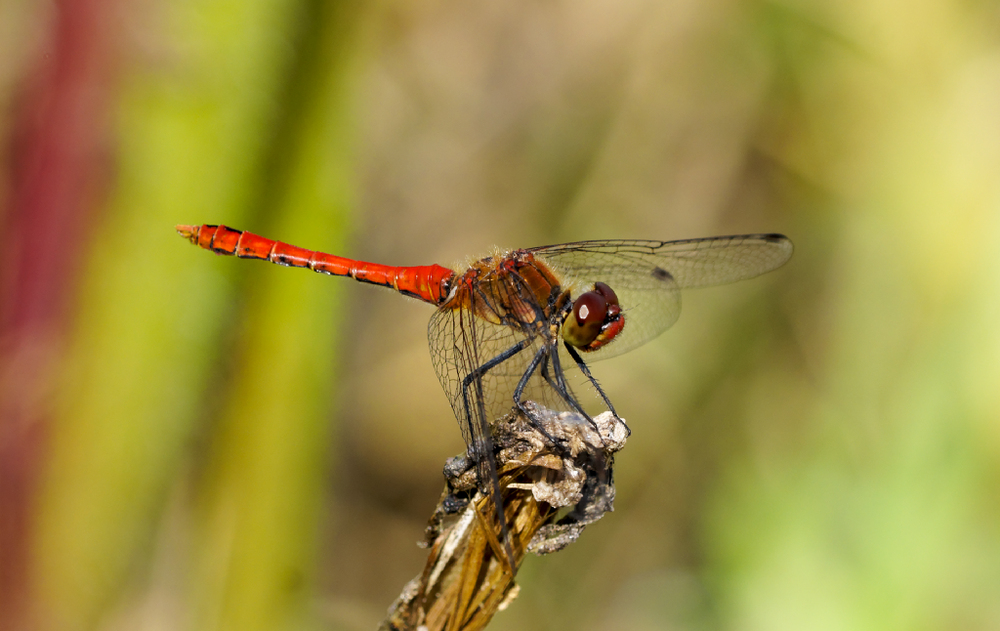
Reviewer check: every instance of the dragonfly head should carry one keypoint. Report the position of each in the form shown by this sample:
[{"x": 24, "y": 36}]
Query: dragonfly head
[{"x": 595, "y": 319}]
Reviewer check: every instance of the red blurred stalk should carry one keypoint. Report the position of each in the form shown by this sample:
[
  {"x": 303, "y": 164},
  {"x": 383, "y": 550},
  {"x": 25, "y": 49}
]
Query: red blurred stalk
[{"x": 54, "y": 160}]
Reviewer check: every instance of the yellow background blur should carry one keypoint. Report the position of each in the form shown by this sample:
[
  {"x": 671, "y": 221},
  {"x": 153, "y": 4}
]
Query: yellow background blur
[{"x": 233, "y": 445}]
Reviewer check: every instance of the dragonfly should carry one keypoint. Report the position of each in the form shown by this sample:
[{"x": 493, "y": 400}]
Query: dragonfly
[{"x": 512, "y": 327}]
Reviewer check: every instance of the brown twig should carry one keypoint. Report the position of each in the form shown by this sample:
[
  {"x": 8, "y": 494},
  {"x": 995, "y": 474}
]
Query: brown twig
[{"x": 467, "y": 578}]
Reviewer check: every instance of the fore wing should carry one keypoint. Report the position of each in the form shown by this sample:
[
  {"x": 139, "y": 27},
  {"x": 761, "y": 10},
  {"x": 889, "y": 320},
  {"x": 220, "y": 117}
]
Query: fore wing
[{"x": 647, "y": 275}]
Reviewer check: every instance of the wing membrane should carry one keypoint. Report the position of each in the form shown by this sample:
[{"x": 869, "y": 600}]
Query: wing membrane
[{"x": 647, "y": 275}]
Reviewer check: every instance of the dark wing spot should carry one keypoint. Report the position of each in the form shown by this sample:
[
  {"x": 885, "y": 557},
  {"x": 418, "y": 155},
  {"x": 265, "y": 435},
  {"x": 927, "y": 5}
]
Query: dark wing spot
[
  {"x": 661, "y": 274},
  {"x": 774, "y": 237}
]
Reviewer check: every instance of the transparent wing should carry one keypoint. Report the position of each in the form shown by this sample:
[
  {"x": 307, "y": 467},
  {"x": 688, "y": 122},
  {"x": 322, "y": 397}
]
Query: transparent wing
[
  {"x": 461, "y": 343},
  {"x": 647, "y": 275}
]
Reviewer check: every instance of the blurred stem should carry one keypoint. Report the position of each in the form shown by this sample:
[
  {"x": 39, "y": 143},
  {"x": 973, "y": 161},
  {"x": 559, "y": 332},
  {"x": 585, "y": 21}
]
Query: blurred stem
[
  {"x": 56, "y": 175},
  {"x": 199, "y": 142},
  {"x": 261, "y": 496}
]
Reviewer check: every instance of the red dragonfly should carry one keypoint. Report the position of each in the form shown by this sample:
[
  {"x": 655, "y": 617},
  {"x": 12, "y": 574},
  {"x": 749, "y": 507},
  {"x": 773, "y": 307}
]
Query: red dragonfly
[{"x": 508, "y": 328}]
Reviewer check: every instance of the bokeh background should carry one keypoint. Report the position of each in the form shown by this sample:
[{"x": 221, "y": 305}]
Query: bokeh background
[{"x": 197, "y": 442}]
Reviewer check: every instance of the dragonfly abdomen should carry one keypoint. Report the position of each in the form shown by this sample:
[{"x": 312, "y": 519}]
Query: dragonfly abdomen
[{"x": 429, "y": 283}]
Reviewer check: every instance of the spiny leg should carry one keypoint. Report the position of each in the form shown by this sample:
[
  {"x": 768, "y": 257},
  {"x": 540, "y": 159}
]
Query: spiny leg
[
  {"x": 559, "y": 385},
  {"x": 540, "y": 357},
  {"x": 562, "y": 389},
  {"x": 600, "y": 391}
]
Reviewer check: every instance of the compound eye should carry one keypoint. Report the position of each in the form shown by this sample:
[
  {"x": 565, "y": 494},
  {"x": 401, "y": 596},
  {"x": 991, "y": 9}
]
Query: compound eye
[
  {"x": 608, "y": 293},
  {"x": 589, "y": 313},
  {"x": 590, "y": 308}
]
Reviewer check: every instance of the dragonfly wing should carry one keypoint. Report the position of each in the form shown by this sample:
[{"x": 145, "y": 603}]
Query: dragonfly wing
[
  {"x": 647, "y": 275},
  {"x": 460, "y": 344}
]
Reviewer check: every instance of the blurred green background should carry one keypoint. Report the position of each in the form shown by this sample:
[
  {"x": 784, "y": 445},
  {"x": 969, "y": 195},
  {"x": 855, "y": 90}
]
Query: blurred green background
[{"x": 196, "y": 442}]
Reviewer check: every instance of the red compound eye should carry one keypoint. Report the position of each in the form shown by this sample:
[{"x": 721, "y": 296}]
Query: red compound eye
[
  {"x": 590, "y": 308},
  {"x": 608, "y": 293},
  {"x": 590, "y": 311}
]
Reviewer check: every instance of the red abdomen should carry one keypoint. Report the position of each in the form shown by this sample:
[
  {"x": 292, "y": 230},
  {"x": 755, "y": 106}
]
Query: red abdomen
[{"x": 429, "y": 283}]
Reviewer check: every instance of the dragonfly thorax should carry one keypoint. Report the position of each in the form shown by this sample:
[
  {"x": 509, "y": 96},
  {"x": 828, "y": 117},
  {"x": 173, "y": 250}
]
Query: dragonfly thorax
[{"x": 515, "y": 290}]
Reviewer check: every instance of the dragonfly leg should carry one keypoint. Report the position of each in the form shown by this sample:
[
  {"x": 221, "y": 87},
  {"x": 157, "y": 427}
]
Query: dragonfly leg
[
  {"x": 563, "y": 390},
  {"x": 560, "y": 387},
  {"x": 600, "y": 391},
  {"x": 475, "y": 376},
  {"x": 541, "y": 357}
]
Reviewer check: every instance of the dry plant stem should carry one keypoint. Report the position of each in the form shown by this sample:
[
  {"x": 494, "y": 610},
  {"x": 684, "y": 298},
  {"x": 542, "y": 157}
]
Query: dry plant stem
[{"x": 467, "y": 578}]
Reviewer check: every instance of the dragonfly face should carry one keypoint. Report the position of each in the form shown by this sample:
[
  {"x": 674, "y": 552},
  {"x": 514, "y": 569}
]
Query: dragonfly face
[{"x": 595, "y": 320}]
